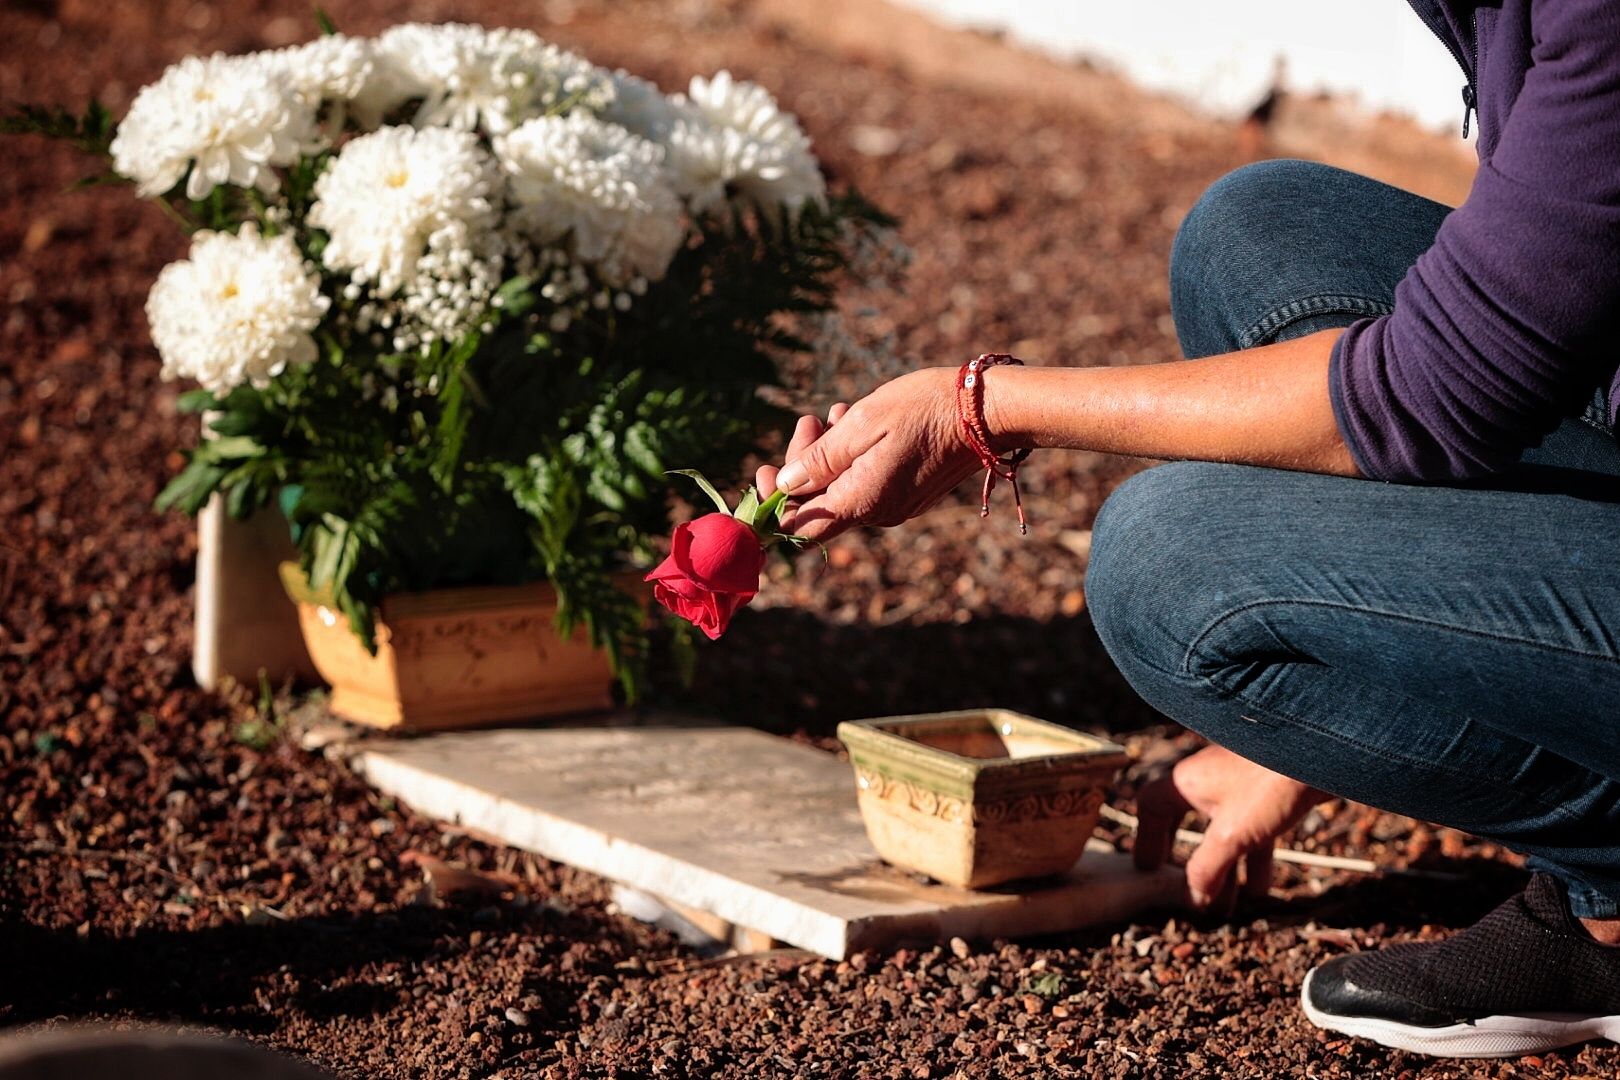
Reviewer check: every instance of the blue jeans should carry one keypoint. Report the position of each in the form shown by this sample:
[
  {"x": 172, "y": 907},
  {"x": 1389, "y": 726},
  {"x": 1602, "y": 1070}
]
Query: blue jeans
[{"x": 1449, "y": 653}]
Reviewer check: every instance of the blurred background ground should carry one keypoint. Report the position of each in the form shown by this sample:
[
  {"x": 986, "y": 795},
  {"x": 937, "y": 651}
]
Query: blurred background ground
[{"x": 166, "y": 855}]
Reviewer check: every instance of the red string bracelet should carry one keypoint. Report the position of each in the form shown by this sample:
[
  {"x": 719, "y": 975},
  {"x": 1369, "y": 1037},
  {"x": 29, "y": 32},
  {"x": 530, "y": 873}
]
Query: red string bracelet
[{"x": 970, "y": 410}]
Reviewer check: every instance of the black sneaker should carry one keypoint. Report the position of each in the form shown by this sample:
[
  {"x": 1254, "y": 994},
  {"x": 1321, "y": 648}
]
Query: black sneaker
[{"x": 1524, "y": 979}]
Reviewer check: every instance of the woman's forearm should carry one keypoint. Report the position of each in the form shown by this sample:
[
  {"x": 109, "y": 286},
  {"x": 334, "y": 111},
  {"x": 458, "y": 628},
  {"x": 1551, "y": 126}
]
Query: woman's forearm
[
  {"x": 1263, "y": 406},
  {"x": 900, "y": 449}
]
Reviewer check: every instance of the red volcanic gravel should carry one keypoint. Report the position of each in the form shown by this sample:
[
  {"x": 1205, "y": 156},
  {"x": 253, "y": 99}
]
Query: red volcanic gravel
[{"x": 166, "y": 855}]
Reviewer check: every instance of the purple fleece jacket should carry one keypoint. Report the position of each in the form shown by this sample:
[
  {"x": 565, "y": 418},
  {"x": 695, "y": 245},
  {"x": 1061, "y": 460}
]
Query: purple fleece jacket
[{"x": 1511, "y": 321}]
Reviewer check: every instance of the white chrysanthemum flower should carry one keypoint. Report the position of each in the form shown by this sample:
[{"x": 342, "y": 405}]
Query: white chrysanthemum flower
[
  {"x": 227, "y": 118},
  {"x": 410, "y": 215},
  {"x": 330, "y": 68},
  {"x": 603, "y": 189},
  {"x": 390, "y": 194},
  {"x": 732, "y": 133},
  {"x": 640, "y": 107},
  {"x": 239, "y": 310},
  {"x": 471, "y": 78}
]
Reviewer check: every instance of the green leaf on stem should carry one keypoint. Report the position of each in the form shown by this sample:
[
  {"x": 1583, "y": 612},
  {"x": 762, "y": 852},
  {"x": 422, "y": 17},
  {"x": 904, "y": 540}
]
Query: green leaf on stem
[
  {"x": 802, "y": 542},
  {"x": 106, "y": 176},
  {"x": 196, "y": 401},
  {"x": 515, "y": 296},
  {"x": 188, "y": 491},
  {"x": 92, "y": 132},
  {"x": 640, "y": 447},
  {"x": 232, "y": 446}
]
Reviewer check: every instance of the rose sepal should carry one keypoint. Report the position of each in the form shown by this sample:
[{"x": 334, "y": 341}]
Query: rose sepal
[
  {"x": 708, "y": 488},
  {"x": 767, "y": 517},
  {"x": 762, "y": 517}
]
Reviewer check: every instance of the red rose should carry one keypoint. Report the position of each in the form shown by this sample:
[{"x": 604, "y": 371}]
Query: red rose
[{"x": 712, "y": 571}]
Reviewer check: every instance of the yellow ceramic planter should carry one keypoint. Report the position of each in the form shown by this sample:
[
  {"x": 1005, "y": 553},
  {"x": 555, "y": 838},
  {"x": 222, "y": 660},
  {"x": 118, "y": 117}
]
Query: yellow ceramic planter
[
  {"x": 981, "y": 797},
  {"x": 453, "y": 658}
]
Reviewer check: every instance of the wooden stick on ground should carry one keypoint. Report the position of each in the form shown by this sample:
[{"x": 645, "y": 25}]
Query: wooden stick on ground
[{"x": 1292, "y": 855}]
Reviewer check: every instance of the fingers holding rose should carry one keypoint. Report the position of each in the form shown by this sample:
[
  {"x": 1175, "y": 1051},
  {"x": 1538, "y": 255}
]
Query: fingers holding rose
[
  {"x": 881, "y": 461},
  {"x": 806, "y": 432}
]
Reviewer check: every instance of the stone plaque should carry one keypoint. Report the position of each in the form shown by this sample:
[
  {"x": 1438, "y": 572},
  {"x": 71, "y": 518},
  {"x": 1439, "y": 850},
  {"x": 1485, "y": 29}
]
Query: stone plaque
[{"x": 757, "y": 830}]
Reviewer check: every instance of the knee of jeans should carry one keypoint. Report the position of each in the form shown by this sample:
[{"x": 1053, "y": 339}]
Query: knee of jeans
[
  {"x": 1148, "y": 583},
  {"x": 1226, "y": 228}
]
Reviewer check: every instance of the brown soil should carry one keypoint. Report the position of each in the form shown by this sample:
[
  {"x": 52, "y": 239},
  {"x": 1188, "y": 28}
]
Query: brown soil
[{"x": 163, "y": 858}]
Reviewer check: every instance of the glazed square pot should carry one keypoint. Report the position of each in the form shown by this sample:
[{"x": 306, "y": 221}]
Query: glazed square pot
[
  {"x": 454, "y": 658},
  {"x": 980, "y": 797}
]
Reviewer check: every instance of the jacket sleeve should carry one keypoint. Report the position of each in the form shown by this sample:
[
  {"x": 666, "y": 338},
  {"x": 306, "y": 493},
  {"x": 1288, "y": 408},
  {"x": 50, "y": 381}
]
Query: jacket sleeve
[{"x": 1506, "y": 325}]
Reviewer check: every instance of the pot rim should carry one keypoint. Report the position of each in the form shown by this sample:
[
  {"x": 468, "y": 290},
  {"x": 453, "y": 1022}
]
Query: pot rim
[{"x": 874, "y": 743}]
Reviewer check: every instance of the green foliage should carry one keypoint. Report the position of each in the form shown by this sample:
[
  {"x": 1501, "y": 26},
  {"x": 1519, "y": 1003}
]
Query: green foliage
[
  {"x": 266, "y": 727},
  {"x": 683, "y": 650},
  {"x": 90, "y": 132},
  {"x": 518, "y": 453},
  {"x": 225, "y": 208},
  {"x": 1045, "y": 984},
  {"x": 513, "y": 456}
]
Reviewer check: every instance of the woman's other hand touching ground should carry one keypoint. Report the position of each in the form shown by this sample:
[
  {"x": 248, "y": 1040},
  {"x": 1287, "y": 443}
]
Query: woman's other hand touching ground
[{"x": 1248, "y": 807}]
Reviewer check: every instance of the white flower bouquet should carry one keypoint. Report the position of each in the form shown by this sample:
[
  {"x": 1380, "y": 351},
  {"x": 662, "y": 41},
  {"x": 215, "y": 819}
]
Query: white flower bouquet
[{"x": 457, "y": 298}]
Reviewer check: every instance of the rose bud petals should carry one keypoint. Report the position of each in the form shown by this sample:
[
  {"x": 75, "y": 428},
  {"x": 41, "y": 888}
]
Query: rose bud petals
[{"x": 712, "y": 571}]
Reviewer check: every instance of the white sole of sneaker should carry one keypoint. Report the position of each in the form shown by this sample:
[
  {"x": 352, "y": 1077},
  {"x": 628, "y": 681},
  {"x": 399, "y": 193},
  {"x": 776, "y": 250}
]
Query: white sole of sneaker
[{"x": 1487, "y": 1037}]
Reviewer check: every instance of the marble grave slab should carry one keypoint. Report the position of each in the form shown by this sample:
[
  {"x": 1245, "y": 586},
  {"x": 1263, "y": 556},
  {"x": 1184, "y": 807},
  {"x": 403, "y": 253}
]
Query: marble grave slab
[{"x": 758, "y": 831}]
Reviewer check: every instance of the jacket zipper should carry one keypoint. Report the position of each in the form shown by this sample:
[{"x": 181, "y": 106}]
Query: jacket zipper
[
  {"x": 1470, "y": 99},
  {"x": 1441, "y": 31}
]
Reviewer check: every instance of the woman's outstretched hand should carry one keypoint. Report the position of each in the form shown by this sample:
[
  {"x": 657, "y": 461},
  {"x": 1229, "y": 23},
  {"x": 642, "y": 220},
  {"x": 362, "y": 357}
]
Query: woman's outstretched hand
[
  {"x": 881, "y": 461},
  {"x": 1248, "y": 807}
]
